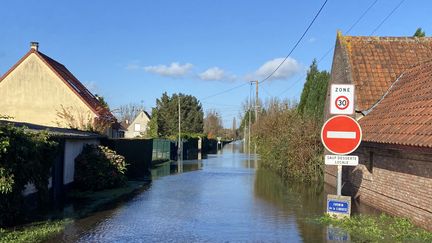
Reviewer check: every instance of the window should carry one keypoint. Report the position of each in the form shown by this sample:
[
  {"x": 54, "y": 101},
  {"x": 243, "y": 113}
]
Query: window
[
  {"x": 73, "y": 86},
  {"x": 137, "y": 127}
]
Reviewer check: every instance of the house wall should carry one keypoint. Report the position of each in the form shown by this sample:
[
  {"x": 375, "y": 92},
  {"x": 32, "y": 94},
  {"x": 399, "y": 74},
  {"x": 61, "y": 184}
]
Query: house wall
[
  {"x": 33, "y": 93},
  {"x": 141, "y": 119},
  {"x": 399, "y": 181},
  {"x": 72, "y": 149}
]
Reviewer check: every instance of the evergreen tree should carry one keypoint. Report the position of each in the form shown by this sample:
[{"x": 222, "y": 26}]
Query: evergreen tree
[
  {"x": 314, "y": 92},
  {"x": 166, "y": 117},
  {"x": 419, "y": 33}
]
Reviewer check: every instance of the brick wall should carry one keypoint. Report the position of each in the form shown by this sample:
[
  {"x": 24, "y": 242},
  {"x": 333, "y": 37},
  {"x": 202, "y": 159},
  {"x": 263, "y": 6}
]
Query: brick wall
[{"x": 399, "y": 181}]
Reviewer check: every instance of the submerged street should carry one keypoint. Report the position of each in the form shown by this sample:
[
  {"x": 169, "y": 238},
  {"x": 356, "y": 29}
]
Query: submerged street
[{"x": 221, "y": 198}]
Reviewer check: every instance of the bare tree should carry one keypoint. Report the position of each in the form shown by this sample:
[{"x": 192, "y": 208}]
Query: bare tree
[
  {"x": 128, "y": 112},
  {"x": 80, "y": 120},
  {"x": 213, "y": 124}
]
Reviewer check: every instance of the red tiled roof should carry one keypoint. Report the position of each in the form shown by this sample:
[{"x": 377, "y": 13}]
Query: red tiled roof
[
  {"x": 404, "y": 115},
  {"x": 376, "y": 62},
  {"x": 71, "y": 81}
]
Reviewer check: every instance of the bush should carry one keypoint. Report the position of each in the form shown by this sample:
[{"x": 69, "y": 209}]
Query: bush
[
  {"x": 98, "y": 168},
  {"x": 25, "y": 157},
  {"x": 288, "y": 143}
]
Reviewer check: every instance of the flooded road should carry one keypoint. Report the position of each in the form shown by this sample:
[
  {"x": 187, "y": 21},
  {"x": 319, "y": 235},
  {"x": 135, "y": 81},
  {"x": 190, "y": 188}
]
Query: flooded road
[{"x": 219, "y": 199}]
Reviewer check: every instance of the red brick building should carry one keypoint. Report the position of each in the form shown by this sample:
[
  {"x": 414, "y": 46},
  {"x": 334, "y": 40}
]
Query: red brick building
[{"x": 393, "y": 80}]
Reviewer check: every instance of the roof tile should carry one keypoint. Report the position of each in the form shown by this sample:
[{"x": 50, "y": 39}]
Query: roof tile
[
  {"x": 377, "y": 61},
  {"x": 404, "y": 115}
]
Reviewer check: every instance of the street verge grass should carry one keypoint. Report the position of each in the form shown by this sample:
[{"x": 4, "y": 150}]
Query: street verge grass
[
  {"x": 35, "y": 232},
  {"x": 383, "y": 228}
]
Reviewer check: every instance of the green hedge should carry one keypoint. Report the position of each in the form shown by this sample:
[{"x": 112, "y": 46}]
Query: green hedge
[
  {"x": 98, "y": 168},
  {"x": 25, "y": 157}
]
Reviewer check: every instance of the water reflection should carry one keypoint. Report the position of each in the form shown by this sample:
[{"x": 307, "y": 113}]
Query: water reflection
[
  {"x": 218, "y": 199},
  {"x": 293, "y": 198}
]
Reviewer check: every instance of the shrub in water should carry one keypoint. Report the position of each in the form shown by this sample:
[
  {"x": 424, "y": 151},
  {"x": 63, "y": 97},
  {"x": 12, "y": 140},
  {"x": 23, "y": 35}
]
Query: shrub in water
[{"x": 98, "y": 168}]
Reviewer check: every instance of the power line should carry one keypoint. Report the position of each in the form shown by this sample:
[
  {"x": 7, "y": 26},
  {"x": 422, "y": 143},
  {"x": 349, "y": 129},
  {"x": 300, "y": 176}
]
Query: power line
[
  {"x": 224, "y": 91},
  {"x": 297, "y": 43},
  {"x": 348, "y": 31},
  {"x": 388, "y": 16}
]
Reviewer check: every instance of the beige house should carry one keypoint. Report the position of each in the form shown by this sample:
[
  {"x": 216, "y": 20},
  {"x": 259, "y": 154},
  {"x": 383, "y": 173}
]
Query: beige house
[
  {"x": 138, "y": 127},
  {"x": 40, "y": 90}
]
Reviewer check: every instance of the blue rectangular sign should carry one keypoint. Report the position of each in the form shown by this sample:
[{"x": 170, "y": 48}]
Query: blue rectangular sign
[{"x": 336, "y": 206}]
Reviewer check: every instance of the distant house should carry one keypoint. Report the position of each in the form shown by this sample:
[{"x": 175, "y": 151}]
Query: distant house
[
  {"x": 37, "y": 89},
  {"x": 393, "y": 96},
  {"x": 138, "y": 127}
]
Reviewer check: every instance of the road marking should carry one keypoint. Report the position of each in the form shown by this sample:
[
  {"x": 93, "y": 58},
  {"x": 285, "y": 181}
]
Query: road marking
[{"x": 338, "y": 134}]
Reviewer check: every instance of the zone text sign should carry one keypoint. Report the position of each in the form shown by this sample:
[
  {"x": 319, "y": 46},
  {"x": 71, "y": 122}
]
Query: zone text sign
[{"x": 342, "y": 99}]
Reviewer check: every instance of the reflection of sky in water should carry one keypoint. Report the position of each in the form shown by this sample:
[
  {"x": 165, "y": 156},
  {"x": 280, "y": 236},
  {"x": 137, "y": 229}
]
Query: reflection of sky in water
[{"x": 223, "y": 198}]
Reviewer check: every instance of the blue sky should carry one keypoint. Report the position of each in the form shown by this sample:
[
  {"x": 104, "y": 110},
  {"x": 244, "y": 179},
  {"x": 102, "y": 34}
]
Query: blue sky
[{"x": 133, "y": 51}]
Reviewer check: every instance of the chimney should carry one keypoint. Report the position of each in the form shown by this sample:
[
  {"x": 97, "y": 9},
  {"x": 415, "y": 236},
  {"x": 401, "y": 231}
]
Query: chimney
[{"x": 34, "y": 45}]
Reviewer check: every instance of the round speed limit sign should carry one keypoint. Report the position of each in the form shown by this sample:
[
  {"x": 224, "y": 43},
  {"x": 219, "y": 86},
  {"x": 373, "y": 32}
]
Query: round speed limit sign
[{"x": 342, "y": 102}]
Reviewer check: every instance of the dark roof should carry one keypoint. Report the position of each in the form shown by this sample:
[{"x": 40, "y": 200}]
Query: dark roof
[
  {"x": 404, "y": 115},
  {"x": 71, "y": 81},
  {"x": 56, "y": 131},
  {"x": 376, "y": 62}
]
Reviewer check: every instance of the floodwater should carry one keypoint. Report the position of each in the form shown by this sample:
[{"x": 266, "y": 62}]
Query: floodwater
[{"x": 223, "y": 198}]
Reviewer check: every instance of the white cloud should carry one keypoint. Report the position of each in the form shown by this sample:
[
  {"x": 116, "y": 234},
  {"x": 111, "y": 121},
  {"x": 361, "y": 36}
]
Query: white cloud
[
  {"x": 215, "y": 74},
  {"x": 288, "y": 69},
  {"x": 174, "y": 70},
  {"x": 312, "y": 40}
]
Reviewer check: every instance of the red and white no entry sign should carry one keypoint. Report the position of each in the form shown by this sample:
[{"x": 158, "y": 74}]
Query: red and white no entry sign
[{"x": 341, "y": 134}]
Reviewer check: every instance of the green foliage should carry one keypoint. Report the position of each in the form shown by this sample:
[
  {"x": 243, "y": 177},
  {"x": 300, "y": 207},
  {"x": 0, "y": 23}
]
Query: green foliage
[
  {"x": 152, "y": 129},
  {"x": 419, "y": 33},
  {"x": 167, "y": 115},
  {"x": 102, "y": 101},
  {"x": 98, "y": 168},
  {"x": 288, "y": 137},
  {"x": 34, "y": 233},
  {"x": 245, "y": 120},
  {"x": 288, "y": 143},
  {"x": 24, "y": 158},
  {"x": 383, "y": 228},
  {"x": 313, "y": 96}
]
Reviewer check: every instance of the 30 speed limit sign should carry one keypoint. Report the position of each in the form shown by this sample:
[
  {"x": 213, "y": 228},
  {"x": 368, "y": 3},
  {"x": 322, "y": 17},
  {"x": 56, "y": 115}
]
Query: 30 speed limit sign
[{"x": 342, "y": 99}]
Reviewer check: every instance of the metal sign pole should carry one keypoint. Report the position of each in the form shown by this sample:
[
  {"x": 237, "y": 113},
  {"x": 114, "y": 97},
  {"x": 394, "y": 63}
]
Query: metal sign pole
[{"x": 339, "y": 180}]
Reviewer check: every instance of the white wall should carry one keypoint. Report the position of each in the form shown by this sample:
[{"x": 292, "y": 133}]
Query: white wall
[{"x": 72, "y": 149}]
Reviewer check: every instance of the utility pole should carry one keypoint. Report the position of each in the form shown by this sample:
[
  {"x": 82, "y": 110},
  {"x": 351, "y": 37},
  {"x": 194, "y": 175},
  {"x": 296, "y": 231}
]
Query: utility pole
[
  {"x": 256, "y": 110},
  {"x": 256, "y": 100},
  {"x": 179, "y": 147},
  {"x": 250, "y": 105}
]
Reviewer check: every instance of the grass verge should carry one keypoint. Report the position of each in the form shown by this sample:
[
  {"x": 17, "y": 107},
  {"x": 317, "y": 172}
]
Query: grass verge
[
  {"x": 383, "y": 228},
  {"x": 35, "y": 232}
]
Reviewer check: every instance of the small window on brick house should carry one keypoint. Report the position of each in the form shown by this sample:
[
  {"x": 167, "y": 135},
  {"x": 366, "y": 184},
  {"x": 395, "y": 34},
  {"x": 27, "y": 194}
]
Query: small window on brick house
[{"x": 371, "y": 162}]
